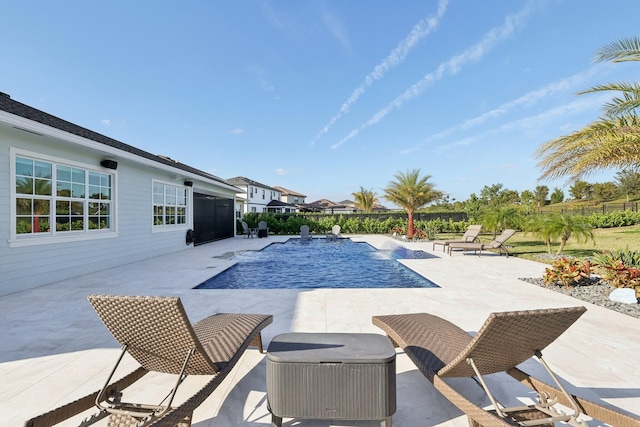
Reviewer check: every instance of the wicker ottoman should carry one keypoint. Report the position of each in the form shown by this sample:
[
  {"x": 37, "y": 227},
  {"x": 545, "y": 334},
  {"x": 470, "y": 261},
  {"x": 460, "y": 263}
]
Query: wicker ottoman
[{"x": 331, "y": 376}]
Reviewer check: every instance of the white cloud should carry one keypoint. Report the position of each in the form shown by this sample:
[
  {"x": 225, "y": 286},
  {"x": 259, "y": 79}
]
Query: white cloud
[
  {"x": 452, "y": 67},
  {"x": 281, "y": 171},
  {"x": 395, "y": 58},
  {"x": 106, "y": 122},
  {"x": 337, "y": 30},
  {"x": 237, "y": 131},
  {"x": 571, "y": 83},
  {"x": 261, "y": 74}
]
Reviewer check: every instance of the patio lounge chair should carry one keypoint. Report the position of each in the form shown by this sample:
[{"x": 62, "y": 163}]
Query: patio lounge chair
[
  {"x": 497, "y": 243},
  {"x": 304, "y": 232},
  {"x": 441, "y": 350},
  {"x": 469, "y": 236},
  {"x": 263, "y": 230},
  {"x": 249, "y": 232},
  {"x": 156, "y": 332}
]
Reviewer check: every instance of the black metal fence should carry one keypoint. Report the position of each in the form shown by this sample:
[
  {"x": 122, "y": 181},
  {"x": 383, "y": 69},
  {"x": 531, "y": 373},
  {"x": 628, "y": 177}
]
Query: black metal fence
[{"x": 588, "y": 210}]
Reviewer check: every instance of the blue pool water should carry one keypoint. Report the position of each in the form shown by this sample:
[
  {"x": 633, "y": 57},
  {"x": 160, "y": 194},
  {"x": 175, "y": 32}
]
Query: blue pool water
[{"x": 320, "y": 263}]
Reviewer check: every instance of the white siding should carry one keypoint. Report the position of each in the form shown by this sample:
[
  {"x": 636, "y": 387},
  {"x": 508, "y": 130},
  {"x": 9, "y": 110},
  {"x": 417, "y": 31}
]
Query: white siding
[{"x": 24, "y": 267}]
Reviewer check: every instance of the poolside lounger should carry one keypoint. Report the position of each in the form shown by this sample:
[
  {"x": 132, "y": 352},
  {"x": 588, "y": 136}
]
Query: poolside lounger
[
  {"x": 156, "y": 332},
  {"x": 472, "y": 233},
  {"x": 440, "y": 350},
  {"x": 497, "y": 243}
]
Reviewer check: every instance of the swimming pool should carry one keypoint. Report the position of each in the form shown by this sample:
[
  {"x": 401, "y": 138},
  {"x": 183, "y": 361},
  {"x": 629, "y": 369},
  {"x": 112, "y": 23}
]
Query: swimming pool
[{"x": 320, "y": 263}]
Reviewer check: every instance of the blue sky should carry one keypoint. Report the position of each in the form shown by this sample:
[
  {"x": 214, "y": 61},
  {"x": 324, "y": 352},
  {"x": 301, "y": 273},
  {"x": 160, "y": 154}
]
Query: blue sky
[{"x": 324, "y": 97}]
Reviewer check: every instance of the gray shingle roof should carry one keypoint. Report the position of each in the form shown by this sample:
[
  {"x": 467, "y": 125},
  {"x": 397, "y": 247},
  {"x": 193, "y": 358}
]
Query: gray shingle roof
[{"x": 14, "y": 107}]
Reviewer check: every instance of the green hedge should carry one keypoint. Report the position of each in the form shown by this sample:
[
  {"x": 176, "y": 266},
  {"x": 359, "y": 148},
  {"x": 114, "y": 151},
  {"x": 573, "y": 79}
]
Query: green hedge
[{"x": 359, "y": 224}]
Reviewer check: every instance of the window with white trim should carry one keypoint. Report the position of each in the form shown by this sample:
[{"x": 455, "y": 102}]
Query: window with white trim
[
  {"x": 74, "y": 199},
  {"x": 169, "y": 205}
]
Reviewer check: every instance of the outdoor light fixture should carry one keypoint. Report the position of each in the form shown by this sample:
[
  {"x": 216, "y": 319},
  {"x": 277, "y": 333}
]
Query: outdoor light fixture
[
  {"x": 188, "y": 183},
  {"x": 109, "y": 164}
]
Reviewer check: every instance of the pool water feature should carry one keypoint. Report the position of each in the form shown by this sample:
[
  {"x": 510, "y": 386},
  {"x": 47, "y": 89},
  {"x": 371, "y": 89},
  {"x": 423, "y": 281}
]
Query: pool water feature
[{"x": 320, "y": 263}]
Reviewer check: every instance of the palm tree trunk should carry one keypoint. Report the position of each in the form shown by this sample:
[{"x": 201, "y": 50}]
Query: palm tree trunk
[
  {"x": 563, "y": 241},
  {"x": 411, "y": 229}
]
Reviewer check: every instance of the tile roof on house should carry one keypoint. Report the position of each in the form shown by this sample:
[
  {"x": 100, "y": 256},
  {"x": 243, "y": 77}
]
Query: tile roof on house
[
  {"x": 241, "y": 180},
  {"x": 287, "y": 192},
  {"x": 14, "y": 107}
]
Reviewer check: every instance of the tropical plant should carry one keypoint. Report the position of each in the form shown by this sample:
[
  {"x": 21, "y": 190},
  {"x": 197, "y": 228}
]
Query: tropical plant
[
  {"x": 498, "y": 218},
  {"x": 365, "y": 199},
  {"x": 626, "y": 256},
  {"x": 560, "y": 226},
  {"x": 411, "y": 192},
  {"x": 613, "y": 141},
  {"x": 567, "y": 272},
  {"x": 557, "y": 196}
]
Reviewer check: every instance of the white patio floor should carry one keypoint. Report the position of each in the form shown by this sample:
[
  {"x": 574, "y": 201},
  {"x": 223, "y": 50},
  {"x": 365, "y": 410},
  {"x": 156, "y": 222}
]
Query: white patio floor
[{"x": 54, "y": 348}]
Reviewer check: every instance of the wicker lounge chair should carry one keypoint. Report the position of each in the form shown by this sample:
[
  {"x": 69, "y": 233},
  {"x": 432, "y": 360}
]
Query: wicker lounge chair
[
  {"x": 497, "y": 243},
  {"x": 440, "y": 349},
  {"x": 304, "y": 232},
  {"x": 469, "y": 236},
  {"x": 156, "y": 332}
]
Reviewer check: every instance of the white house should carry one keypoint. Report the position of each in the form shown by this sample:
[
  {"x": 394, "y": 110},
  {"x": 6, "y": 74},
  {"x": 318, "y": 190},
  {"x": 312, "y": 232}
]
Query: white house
[
  {"x": 257, "y": 197},
  {"x": 73, "y": 201},
  {"x": 290, "y": 196}
]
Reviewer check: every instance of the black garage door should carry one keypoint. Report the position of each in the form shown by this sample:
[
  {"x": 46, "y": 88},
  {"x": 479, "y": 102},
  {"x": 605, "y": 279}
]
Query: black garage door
[{"x": 213, "y": 218}]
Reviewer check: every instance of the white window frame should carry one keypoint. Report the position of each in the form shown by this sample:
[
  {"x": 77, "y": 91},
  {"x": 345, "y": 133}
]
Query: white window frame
[
  {"x": 32, "y": 239},
  {"x": 188, "y": 206}
]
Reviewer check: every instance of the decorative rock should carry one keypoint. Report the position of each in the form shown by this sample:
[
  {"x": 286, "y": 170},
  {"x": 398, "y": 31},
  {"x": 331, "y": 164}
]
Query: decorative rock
[{"x": 624, "y": 295}]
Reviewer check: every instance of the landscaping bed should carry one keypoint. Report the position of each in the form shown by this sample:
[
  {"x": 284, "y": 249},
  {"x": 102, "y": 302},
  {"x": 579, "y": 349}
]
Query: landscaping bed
[{"x": 597, "y": 292}]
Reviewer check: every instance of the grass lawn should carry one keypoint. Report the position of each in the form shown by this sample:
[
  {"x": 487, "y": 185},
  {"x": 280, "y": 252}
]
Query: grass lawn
[{"x": 527, "y": 245}]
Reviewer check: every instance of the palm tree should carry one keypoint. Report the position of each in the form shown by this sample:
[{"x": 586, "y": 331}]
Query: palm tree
[
  {"x": 411, "y": 192},
  {"x": 613, "y": 141},
  {"x": 498, "y": 218},
  {"x": 561, "y": 226},
  {"x": 365, "y": 199}
]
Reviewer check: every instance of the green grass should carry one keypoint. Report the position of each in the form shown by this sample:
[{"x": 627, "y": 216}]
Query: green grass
[{"x": 527, "y": 245}]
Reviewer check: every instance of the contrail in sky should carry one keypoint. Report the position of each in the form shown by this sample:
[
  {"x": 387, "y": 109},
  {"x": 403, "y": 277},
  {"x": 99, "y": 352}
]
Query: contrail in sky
[
  {"x": 395, "y": 58},
  {"x": 452, "y": 66},
  {"x": 530, "y": 98}
]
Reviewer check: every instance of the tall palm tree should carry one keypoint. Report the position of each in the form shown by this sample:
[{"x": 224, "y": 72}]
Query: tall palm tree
[
  {"x": 611, "y": 142},
  {"x": 365, "y": 199},
  {"x": 411, "y": 192}
]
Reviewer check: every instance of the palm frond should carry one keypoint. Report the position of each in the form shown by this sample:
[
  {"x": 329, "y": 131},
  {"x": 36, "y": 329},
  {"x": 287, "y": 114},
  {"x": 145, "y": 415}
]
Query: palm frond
[
  {"x": 619, "y": 51},
  {"x": 604, "y": 144}
]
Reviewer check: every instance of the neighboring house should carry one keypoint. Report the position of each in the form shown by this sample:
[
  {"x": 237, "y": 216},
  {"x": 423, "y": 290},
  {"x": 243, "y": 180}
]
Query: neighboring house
[
  {"x": 290, "y": 196},
  {"x": 257, "y": 197},
  {"x": 343, "y": 207},
  {"x": 73, "y": 201},
  {"x": 327, "y": 206}
]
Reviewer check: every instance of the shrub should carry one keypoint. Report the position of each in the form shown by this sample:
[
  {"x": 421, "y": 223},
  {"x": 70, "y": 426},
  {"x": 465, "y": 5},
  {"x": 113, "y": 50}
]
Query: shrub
[
  {"x": 621, "y": 268},
  {"x": 567, "y": 272},
  {"x": 622, "y": 276}
]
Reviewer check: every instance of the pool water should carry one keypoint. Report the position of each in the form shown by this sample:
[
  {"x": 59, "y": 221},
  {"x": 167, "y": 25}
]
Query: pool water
[{"x": 320, "y": 263}]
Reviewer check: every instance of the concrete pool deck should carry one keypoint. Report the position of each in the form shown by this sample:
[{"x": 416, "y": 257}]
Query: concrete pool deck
[{"x": 54, "y": 349}]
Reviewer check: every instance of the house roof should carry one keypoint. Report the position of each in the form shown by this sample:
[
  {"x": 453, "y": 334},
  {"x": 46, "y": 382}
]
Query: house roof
[
  {"x": 287, "y": 192},
  {"x": 241, "y": 180},
  {"x": 16, "y": 108},
  {"x": 278, "y": 203}
]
